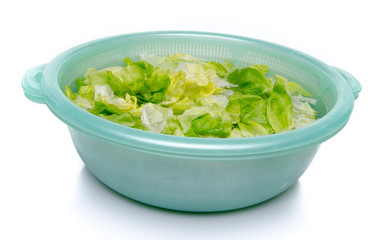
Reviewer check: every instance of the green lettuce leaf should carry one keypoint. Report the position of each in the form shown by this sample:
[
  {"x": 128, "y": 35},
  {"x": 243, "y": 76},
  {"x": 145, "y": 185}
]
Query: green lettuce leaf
[
  {"x": 87, "y": 92},
  {"x": 155, "y": 87},
  {"x": 175, "y": 90},
  {"x": 95, "y": 77},
  {"x": 105, "y": 100},
  {"x": 250, "y": 80},
  {"x": 119, "y": 86},
  {"x": 252, "y": 129},
  {"x": 155, "y": 117},
  {"x": 207, "y": 125},
  {"x": 131, "y": 78},
  {"x": 147, "y": 83},
  {"x": 229, "y": 66},
  {"x": 173, "y": 127},
  {"x": 280, "y": 108},
  {"x": 205, "y": 121},
  {"x": 69, "y": 93},
  {"x": 82, "y": 82},
  {"x": 218, "y": 68},
  {"x": 146, "y": 67},
  {"x": 250, "y": 112},
  {"x": 125, "y": 119},
  {"x": 292, "y": 87}
]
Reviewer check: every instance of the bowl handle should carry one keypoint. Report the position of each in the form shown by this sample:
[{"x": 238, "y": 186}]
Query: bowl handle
[
  {"x": 31, "y": 84},
  {"x": 355, "y": 85}
]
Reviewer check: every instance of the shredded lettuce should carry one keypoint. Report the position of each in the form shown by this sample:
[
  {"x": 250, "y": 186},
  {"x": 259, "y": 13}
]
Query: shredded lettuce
[{"x": 184, "y": 96}]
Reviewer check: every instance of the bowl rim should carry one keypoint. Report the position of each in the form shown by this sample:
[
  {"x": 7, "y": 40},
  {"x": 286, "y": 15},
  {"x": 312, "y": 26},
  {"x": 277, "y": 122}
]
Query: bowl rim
[{"x": 270, "y": 145}]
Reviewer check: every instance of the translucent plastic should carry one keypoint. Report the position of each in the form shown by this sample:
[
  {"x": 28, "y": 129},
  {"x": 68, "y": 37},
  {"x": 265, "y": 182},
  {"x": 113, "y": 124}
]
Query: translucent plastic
[{"x": 112, "y": 151}]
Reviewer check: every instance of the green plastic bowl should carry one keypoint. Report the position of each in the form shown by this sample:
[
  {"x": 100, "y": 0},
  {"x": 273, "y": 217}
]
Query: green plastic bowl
[{"x": 194, "y": 174}]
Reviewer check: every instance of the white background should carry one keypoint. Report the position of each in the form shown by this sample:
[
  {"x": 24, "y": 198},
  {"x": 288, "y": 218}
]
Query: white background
[{"x": 47, "y": 193}]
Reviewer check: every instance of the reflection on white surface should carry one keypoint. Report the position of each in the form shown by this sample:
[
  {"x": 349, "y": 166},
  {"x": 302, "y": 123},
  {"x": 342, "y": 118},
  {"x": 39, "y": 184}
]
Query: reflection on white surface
[{"x": 101, "y": 206}]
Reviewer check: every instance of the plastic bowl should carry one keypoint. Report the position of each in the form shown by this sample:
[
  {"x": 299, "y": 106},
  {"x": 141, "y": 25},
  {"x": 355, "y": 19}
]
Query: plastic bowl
[{"x": 194, "y": 174}]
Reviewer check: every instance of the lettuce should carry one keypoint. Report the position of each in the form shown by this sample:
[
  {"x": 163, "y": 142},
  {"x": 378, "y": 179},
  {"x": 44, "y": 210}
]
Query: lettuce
[
  {"x": 303, "y": 113},
  {"x": 175, "y": 90},
  {"x": 126, "y": 119},
  {"x": 250, "y": 113},
  {"x": 155, "y": 117},
  {"x": 154, "y": 87},
  {"x": 205, "y": 121},
  {"x": 250, "y": 80},
  {"x": 106, "y": 101},
  {"x": 183, "y": 96},
  {"x": 280, "y": 109},
  {"x": 208, "y": 125},
  {"x": 170, "y": 63},
  {"x": 69, "y": 93}
]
